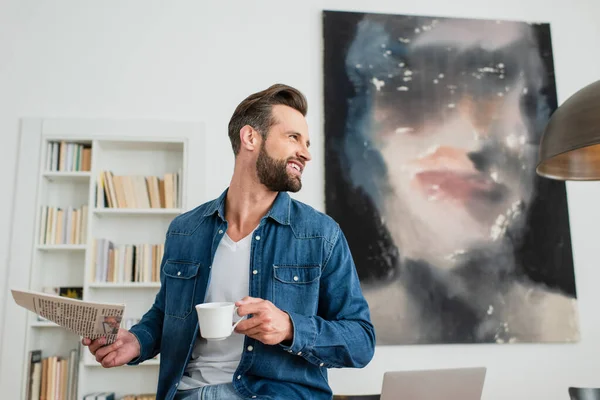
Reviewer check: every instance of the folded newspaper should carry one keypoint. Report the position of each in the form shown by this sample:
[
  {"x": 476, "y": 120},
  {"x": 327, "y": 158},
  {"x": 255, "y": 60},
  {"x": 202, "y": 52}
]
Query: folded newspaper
[{"x": 87, "y": 319}]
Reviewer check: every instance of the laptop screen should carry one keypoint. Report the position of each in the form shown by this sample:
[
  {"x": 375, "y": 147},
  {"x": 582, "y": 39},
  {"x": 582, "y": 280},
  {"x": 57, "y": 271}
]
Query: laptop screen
[{"x": 439, "y": 384}]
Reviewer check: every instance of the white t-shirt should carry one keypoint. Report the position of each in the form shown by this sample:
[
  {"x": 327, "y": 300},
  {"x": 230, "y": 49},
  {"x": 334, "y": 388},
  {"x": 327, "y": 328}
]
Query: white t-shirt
[{"x": 215, "y": 362}]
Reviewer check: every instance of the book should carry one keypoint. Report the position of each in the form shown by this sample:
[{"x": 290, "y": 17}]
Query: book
[{"x": 34, "y": 373}]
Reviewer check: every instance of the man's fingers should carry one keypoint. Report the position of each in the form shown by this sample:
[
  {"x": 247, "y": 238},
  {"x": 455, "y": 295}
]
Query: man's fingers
[
  {"x": 248, "y": 300},
  {"x": 102, "y": 352},
  {"x": 96, "y": 344},
  {"x": 122, "y": 358},
  {"x": 251, "y": 308},
  {"x": 109, "y": 360},
  {"x": 249, "y": 323},
  {"x": 253, "y": 325},
  {"x": 255, "y": 332},
  {"x": 263, "y": 306}
]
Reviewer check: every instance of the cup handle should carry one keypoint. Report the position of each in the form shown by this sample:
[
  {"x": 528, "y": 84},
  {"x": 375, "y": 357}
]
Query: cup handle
[{"x": 240, "y": 320}]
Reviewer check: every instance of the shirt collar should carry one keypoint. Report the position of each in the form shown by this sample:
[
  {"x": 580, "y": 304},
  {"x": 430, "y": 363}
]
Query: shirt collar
[{"x": 280, "y": 210}]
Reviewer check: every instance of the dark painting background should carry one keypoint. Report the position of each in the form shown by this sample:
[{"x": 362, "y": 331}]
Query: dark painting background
[{"x": 513, "y": 286}]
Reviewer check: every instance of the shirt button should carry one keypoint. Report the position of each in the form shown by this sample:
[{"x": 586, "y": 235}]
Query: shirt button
[
  {"x": 253, "y": 397},
  {"x": 295, "y": 279},
  {"x": 250, "y": 348},
  {"x": 257, "y": 237},
  {"x": 178, "y": 273},
  {"x": 254, "y": 272},
  {"x": 299, "y": 353},
  {"x": 320, "y": 365},
  {"x": 289, "y": 351},
  {"x": 239, "y": 377},
  {"x": 220, "y": 231}
]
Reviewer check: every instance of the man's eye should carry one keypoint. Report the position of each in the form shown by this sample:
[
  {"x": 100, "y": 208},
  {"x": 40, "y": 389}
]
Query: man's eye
[{"x": 295, "y": 137}]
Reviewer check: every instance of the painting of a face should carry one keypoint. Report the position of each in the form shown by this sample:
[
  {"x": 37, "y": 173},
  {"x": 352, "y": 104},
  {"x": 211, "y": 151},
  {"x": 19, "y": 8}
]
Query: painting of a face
[{"x": 432, "y": 131}]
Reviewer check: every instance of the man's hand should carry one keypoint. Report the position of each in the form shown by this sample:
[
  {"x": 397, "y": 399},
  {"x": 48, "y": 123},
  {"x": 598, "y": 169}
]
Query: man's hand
[
  {"x": 268, "y": 324},
  {"x": 123, "y": 350}
]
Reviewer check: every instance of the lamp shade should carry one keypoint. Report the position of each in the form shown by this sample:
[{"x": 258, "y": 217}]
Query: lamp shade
[{"x": 570, "y": 146}]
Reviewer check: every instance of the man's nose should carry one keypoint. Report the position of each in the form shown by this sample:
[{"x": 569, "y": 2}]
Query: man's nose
[{"x": 304, "y": 154}]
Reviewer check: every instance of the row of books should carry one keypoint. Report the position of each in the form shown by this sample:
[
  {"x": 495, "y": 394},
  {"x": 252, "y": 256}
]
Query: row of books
[
  {"x": 125, "y": 263},
  {"x": 53, "y": 377},
  {"x": 137, "y": 191},
  {"x": 68, "y": 157},
  {"x": 63, "y": 225}
]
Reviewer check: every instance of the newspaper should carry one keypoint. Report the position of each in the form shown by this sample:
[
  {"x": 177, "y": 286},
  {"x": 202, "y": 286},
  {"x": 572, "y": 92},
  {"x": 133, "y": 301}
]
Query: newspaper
[{"x": 87, "y": 319}]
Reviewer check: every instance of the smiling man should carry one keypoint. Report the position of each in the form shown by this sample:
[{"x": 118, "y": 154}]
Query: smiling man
[{"x": 287, "y": 266}]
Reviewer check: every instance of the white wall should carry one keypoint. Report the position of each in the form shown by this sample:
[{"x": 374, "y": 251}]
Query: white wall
[{"x": 188, "y": 60}]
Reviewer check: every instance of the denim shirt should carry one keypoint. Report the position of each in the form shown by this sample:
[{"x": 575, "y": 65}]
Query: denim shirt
[{"x": 300, "y": 261}]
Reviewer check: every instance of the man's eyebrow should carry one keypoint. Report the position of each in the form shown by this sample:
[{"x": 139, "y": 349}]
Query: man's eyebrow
[{"x": 299, "y": 134}]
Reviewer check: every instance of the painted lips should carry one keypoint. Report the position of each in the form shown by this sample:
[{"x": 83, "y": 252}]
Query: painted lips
[{"x": 447, "y": 172}]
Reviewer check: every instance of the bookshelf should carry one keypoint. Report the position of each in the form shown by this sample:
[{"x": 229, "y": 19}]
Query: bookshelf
[
  {"x": 55, "y": 176},
  {"x": 132, "y": 212},
  {"x": 149, "y": 363},
  {"x": 61, "y": 247},
  {"x": 128, "y": 285},
  {"x": 105, "y": 197}
]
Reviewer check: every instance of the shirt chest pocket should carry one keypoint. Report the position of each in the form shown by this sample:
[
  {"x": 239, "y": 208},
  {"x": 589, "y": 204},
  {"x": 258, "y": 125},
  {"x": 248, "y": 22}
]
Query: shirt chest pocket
[
  {"x": 296, "y": 288},
  {"x": 180, "y": 285}
]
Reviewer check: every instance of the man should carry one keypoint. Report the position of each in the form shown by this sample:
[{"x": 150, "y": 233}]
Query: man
[{"x": 289, "y": 264}]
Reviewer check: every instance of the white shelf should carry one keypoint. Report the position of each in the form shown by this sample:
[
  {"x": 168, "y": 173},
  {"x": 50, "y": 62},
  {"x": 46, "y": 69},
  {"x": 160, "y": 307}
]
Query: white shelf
[
  {"x": 77, "y": 176},
  {"x": 61, "y": 247},
  {"x": 136, "y": 211},
  {"x": 142, "y": 145},
  {"x": 148, "y": 363},
  {"x": 43, "y": 324},
  {"x": 126, "y": 285}
]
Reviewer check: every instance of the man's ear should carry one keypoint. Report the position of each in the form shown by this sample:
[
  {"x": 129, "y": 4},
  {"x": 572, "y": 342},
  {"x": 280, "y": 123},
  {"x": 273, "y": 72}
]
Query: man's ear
[{"x": 249, "y": 138}]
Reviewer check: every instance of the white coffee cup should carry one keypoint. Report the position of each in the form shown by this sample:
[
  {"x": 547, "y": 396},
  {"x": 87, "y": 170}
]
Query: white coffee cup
[{"x": 216, "y": 320}]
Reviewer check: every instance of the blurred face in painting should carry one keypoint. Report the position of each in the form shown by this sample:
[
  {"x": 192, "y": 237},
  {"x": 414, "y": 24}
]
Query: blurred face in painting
[{"x": 452, "y": 122}]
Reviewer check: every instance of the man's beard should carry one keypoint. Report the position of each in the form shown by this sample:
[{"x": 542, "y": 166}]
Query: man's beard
[{"x": 273, "y": 173}]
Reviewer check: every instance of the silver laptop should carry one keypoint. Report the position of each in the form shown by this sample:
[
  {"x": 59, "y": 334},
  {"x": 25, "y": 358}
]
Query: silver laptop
[{"x": 439, "y": 384}]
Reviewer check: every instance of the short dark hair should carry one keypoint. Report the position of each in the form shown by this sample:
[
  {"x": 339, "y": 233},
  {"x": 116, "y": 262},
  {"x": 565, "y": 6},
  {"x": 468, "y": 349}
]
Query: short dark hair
[{"x": 256, "y": 111}]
